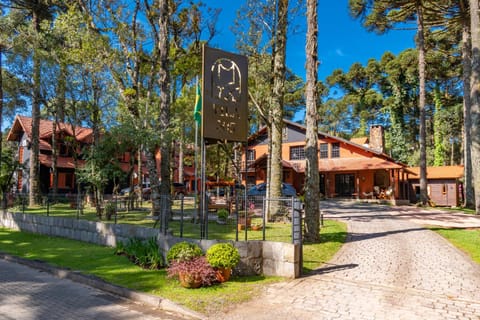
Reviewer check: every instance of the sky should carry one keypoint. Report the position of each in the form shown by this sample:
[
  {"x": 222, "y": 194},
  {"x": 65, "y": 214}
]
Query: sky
[{"x": 342, "y": 40}]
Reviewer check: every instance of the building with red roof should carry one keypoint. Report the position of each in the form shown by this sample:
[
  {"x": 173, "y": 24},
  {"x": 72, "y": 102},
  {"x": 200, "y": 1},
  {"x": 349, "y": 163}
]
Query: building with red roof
[
  {"x": 444, "y": 185},
  {"x": 356, "y": 168},
  {"x": 21, "y": 132}
]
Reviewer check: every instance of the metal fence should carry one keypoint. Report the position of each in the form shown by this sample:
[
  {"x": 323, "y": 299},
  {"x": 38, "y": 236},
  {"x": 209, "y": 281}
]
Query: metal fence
[{"x": 251, "y": 218}]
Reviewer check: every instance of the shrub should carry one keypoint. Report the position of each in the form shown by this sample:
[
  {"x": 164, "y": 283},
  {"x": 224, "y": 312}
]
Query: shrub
[
  {"x": 223, "y": 255},
  {"x": 109, "y": 210},
  {"x": 192, "y": 273},
  {"x": 184, "y": 251},
  {"x": 143, "y": 253},
  {"x": 222, "y": 214}
]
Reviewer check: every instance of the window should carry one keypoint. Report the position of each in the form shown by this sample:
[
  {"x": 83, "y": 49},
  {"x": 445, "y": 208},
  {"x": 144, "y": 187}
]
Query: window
[
  {"x": 323, "y": 150},
  {"x": 250, "y": 155},
  {"x": 297, "y": 153},
  {"x": 69, "y": 180},
  {"x": 335, "y": 150},
  {"x": 64, "y": 150}
]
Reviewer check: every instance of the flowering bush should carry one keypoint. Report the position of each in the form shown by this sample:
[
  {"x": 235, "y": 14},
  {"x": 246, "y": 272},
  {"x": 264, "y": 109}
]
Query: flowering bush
[{"x": 192, "y": 273}]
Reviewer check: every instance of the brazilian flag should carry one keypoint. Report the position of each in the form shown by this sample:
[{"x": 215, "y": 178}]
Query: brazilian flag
[{"x": 197, "y": 113}]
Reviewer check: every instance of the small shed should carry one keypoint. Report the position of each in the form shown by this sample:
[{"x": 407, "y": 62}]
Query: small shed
[{"x": 444, "y": 185}]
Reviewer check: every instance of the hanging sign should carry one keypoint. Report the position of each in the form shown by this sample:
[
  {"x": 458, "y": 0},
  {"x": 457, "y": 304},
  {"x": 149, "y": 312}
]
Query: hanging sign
[{"x": 225, "y": 96}]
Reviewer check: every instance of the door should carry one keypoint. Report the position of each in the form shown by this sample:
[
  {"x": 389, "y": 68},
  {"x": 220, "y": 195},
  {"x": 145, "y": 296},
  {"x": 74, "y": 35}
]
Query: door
[{"x": 344, "y": 184}]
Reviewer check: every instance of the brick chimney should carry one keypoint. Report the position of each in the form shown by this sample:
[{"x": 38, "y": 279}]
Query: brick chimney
[{"x": 376, "y": 141}]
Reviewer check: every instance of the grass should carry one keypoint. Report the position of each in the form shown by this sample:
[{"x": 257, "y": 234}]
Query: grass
[
  {"x": 454, "y": 209},
  {"x": 280, "y": 232},
  {"x": 332, "y": 237},
  {"x": 467, "y": 240},
  {"x": 102, "y": 262}
]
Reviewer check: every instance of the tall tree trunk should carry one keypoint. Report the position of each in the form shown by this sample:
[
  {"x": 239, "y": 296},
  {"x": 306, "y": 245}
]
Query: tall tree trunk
[
  {"x": 467, "y": 122},
  {"x": 1, "y": 101},
  {"x": 276, "y": 173},
  {"x": 475, "y": 99},
  {"x": 421, "y": 106},
  {"x": 34, "y": 178},
  {"x": 164, "y": 119},
  {"x": 58, "y": 117},
  {"x": 54, "y": 157},
  {"x": 181, "y": 156},
  {"x": 312, "y": 224}
]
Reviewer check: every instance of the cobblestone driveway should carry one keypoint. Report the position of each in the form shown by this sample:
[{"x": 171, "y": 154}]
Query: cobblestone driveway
[
  {"x": 29, "y": 294},
  {"x": 391, "y": 268}
]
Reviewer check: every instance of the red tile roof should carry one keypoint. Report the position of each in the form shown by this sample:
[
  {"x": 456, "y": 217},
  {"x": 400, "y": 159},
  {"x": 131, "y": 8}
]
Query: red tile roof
[
  {"x": 24, "y": 124},
  {"x": 337, "y": 164},
  {"x": 441, "y": 172},
  {"x": 352, "y": 164},
  {"x": 352, "y": 143}
]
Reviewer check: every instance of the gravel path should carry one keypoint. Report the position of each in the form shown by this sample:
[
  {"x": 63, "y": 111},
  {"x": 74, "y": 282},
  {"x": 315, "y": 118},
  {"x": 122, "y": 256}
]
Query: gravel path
[{"x": 390, "y": 268}]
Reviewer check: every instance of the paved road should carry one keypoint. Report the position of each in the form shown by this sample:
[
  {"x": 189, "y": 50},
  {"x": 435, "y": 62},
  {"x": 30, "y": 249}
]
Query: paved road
[
  {"x": 390, "y": 268},
  {"x": 30, "y": 294}
]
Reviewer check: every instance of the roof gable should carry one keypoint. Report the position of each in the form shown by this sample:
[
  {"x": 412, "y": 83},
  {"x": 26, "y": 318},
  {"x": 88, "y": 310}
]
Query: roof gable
[
  {"x": 23, "y": 125},
  {"x": 302, "y": 129}
]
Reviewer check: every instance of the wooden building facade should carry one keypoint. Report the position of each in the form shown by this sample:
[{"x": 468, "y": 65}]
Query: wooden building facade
[
  {"x": 347, "y": 169},
  {"x": 444, "y": 185}
]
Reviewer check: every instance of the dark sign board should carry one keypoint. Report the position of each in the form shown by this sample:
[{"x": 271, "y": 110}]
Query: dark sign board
[{"x": 225, "y": 96}]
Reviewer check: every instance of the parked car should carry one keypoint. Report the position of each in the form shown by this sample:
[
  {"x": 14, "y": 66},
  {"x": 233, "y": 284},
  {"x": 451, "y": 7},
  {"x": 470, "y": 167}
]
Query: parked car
[
  {"x": 261, "y": 190},
  {"x": 146, "y": 191}
]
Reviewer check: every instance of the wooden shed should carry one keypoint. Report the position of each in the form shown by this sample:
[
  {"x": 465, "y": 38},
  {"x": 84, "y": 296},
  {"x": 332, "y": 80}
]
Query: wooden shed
[{"x": 444, "y": 185}]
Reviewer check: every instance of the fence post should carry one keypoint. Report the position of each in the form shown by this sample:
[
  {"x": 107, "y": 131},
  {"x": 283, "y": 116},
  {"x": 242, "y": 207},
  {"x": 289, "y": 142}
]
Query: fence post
[
  {"x": 116, "y": 208},
  {"x": 297, "y": 228},
  {"x": 181, "y": 215}
]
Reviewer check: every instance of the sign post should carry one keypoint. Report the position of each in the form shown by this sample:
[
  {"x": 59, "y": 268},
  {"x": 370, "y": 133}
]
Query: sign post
[{"x": 224, "y": 108}]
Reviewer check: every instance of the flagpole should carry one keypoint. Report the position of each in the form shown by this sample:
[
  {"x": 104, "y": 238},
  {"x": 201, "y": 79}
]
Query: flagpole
[
  {"x": 195, "y": 208},
  {"x": 196, "y": 152}
]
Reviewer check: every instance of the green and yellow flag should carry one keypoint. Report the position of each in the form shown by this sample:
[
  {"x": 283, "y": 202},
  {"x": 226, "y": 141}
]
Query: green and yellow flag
[{"x": 197, "y": 113}]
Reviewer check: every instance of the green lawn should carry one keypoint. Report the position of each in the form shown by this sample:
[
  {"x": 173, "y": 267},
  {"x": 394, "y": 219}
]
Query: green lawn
[
  {"x": 467, "y": 240},
  {"x": 118, "y": 270}
]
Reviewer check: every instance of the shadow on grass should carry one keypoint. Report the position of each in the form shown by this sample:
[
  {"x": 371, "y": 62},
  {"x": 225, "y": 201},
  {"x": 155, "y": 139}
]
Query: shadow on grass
[{"x": 338, "y": 237}]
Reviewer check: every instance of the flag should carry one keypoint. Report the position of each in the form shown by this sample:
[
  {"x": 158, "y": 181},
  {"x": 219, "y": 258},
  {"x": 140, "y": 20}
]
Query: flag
[{"x": 197, "y": 113}]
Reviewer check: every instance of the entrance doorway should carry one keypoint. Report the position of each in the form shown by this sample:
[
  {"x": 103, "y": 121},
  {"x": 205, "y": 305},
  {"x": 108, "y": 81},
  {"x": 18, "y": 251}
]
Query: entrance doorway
[{"x": 344, "y": 184}]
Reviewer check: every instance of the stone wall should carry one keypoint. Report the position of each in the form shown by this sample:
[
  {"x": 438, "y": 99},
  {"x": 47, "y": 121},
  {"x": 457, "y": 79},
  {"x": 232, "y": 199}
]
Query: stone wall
[{"x": 257, "y": 257}]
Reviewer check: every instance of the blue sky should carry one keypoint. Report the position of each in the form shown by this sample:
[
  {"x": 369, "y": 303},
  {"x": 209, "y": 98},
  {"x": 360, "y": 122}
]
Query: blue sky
[{"x": 342, "y": 40}]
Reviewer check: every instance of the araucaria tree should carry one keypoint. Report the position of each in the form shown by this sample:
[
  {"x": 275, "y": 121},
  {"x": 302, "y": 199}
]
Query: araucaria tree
[
  {"x": 34, "y": 13},
  {"x": 383, "y": 15}
]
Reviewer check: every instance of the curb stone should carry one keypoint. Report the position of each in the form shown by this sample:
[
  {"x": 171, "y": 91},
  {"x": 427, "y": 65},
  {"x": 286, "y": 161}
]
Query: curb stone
[{"x": 100, "y": 284}]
